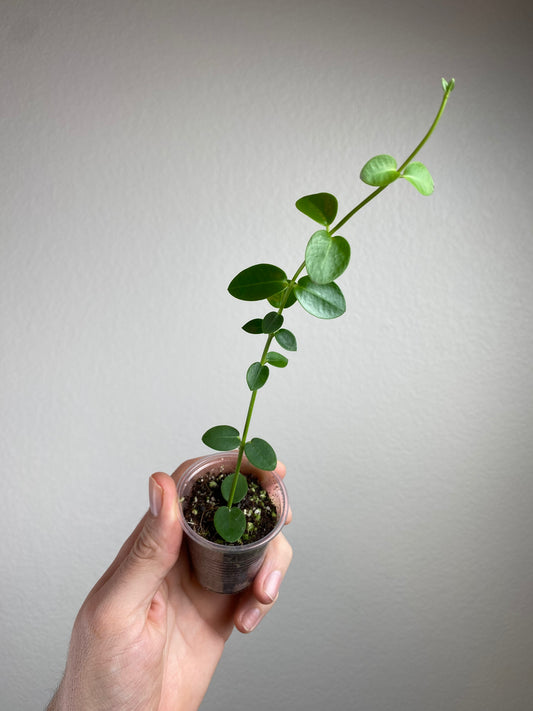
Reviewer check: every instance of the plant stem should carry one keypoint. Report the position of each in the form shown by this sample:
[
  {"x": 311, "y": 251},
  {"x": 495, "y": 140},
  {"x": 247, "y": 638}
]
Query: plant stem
[
  {"x": 292, "y": 282},
  {"x": 240, "y": 452},
  {"x": 431, "y": 128},
  {"x": 406, "y": 162}
]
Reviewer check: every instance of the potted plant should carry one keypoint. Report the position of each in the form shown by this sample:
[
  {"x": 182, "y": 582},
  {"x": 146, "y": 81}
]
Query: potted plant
[{"x": 232, "y": 503}]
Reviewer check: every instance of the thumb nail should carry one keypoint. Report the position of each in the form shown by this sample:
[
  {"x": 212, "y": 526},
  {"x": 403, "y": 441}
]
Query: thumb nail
[{"x": 155, "y": 493}]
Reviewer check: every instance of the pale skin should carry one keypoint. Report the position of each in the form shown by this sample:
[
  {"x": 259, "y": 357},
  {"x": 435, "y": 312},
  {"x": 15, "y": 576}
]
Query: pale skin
[{"x": 148, "y": 637}]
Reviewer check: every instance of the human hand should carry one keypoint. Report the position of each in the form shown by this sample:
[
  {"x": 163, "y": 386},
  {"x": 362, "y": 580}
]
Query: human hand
[{"x": 148, "y": 637}]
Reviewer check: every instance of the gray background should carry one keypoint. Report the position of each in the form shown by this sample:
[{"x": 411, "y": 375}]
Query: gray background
[{"x": 149, "y": 151}]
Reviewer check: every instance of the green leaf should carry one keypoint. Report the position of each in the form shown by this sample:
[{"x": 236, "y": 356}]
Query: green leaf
[
  {"x": 222, "y": 438},
  {"x": 277, "y": 299},
  {"x": 260, "y": 454},
  {"x": 419, "y": 176},
  {"x": 276, "y": 359},
  {"x": 254, "y": 326},
  {"x": 326, "y": 257},
  {"x": 257, "y": 376},
  {"x": 230, "y": 523},
  {"x": 379, "y": 171},
  {"x": 446, "y": 84},
  {"x": 321, "y": 207},
  {"x": 258, "y": 282},
  {"x": 272, "y": 322},
  {"x": 320, "y": 300},
  {"x": 240, "y": 491},
  {"x": 286, "y": 339}
]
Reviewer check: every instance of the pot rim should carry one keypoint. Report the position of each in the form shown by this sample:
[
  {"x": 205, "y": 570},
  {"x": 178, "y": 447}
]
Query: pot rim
[{"x": 195, "y": 468}]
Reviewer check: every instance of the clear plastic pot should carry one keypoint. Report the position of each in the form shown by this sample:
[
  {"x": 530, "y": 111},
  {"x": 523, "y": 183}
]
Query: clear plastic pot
[{"x": 229, "y": 568}]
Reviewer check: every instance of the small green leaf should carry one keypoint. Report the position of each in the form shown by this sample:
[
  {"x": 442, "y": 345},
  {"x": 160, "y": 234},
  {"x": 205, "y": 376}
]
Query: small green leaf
[
  {"x": 272, "y": 322},
  {"x": 257, "y": 376},
  {"x": 282, "y": 298},
  {"x": 222, "y": 438},
  {"x": 321, "y": 207},
  {"x": 379, "y": 171},
  {"x": 326, "y": 257},
  {"x": 276, "y": 359},
  {"x": 240, "y": 491},
  {"x": 254, "y": 326},
  {"x": 320, "y": 300},
  {"x": 286, "y": 339},
  {"x": 260, "y": 454},
  {"x": 230, "y": 523},
  {"x": 448, "y": 84},
  {"x": 419, "y": 176},
  {"x": 258, "y": 282}
]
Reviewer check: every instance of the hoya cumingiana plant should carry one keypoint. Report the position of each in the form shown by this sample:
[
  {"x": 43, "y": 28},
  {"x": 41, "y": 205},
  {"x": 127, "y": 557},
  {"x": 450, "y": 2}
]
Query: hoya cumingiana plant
[{"x": 313, "y": 286}]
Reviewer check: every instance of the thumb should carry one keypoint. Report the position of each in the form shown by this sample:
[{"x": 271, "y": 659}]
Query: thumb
[{"x": 156, "y": 548}]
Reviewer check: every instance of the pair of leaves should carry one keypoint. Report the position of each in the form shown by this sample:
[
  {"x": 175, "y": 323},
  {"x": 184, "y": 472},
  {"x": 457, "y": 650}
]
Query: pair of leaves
[
  {"x": 382, "y": 170},
  {"x": 448, "y": 85},
  {"x": 230, "y": 522},
  {"x": 225, "y": 437},
  {"x": 271, "y": 323}
]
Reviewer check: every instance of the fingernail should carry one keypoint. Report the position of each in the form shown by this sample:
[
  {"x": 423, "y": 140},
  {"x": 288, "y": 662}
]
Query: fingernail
[
  {"x": 156, "y": 497},
  {"x": 251, "y": 619},
  {"x": 272, "y": 584}
]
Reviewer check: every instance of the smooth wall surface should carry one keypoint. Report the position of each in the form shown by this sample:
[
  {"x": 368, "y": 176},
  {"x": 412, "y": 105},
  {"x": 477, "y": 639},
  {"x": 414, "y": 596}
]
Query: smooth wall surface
[{"x": 151, "y": 150}]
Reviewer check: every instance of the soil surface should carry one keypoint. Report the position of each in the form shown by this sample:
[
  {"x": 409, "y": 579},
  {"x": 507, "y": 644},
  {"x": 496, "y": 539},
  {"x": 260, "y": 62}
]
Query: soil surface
[{"x": 206, "y": 497}]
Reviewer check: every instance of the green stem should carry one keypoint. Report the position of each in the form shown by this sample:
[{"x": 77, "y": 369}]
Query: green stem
[
  {"x": 240, "y": 453},
  {"x": 334, "y": 229},
  {"x": 406, "y": 162},
  {"x": 431, "y": 128},
  {"x": 246, "y": 427}
]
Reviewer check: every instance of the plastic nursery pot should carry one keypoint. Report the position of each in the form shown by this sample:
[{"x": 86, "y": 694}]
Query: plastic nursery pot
[{"x": 228, "y": 568}]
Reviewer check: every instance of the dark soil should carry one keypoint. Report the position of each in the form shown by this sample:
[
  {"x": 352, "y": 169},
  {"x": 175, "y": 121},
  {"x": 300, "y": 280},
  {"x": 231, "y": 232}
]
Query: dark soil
[{"x": 206, "y": 497}]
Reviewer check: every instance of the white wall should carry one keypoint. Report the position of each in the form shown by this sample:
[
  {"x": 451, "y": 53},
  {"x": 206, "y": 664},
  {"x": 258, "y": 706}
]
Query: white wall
[{"x": 149, "y": 151}]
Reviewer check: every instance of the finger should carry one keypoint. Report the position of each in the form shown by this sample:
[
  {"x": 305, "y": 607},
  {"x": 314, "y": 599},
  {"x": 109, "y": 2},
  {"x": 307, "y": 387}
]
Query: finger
[
  {"x": 182, "y": 468},
  {"x": 155, "y": 549},
  {"x": 259, "y": 598},
  {"x": 281, "y": 470},
  {"x": 121, "y": 555},
  {"x": 128, "y": 544}
]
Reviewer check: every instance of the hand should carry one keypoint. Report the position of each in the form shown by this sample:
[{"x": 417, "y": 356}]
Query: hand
[{"x": 148, "y": 637}]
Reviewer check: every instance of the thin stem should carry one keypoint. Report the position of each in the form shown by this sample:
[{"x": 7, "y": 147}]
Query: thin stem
[
  {"x": 240, "y": 453},
  {"x": 288, "y": 289},
  {"x": 357, "y": 208},
  {"x": 406, "y": 162},
  {"x": 431, "y": 128},
  {"x": 246, "y": 427}
]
